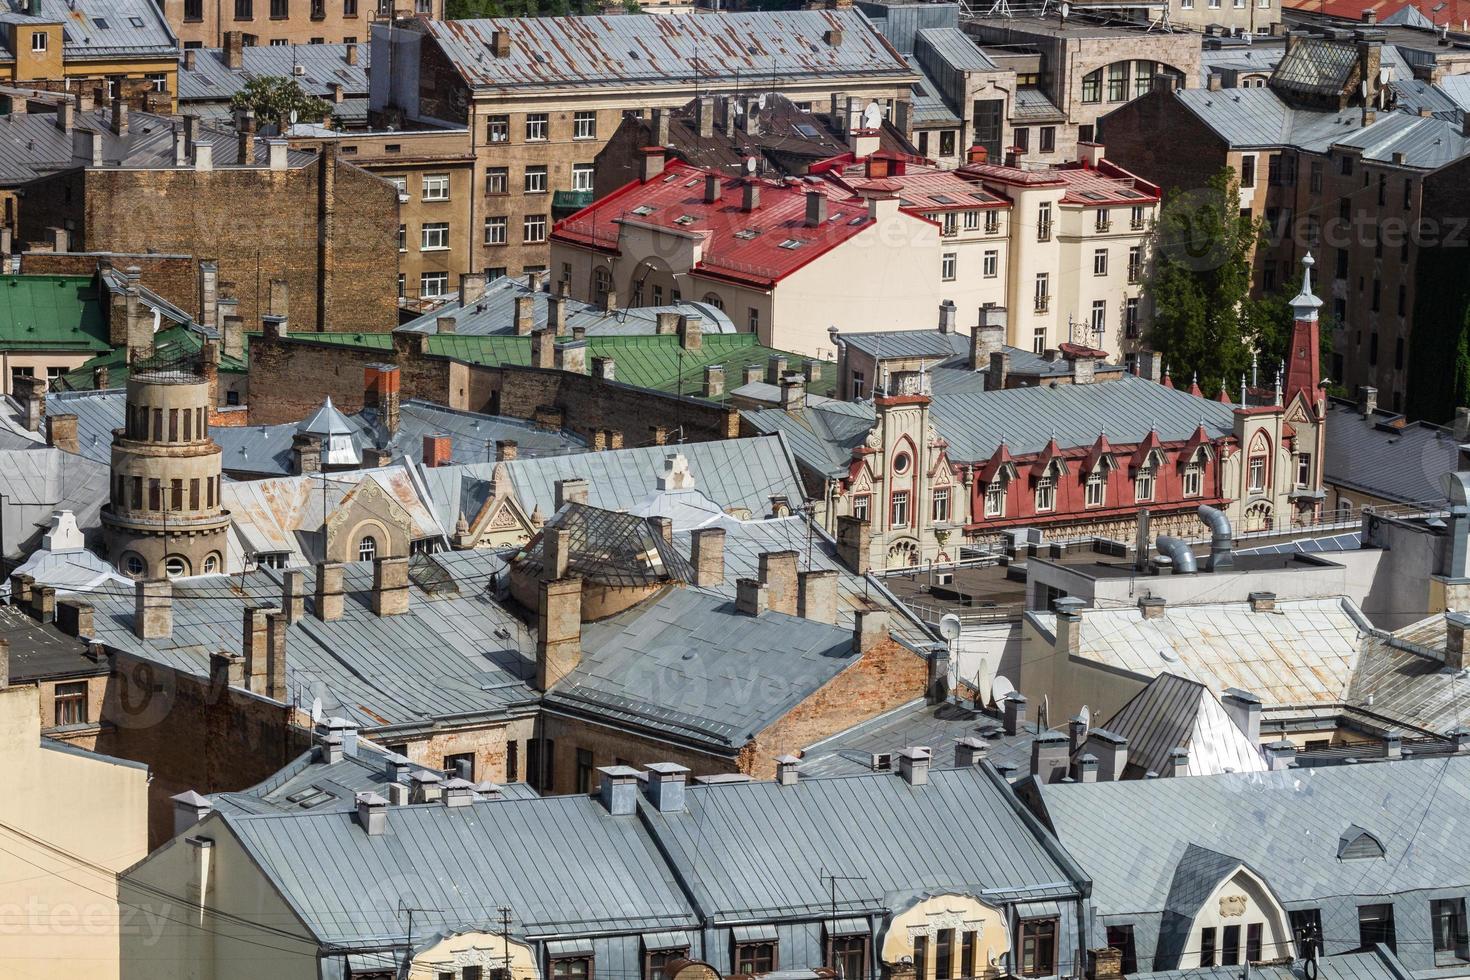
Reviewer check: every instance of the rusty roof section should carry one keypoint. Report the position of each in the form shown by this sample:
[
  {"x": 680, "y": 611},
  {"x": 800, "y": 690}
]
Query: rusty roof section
[{"x": 710, "y": 49}]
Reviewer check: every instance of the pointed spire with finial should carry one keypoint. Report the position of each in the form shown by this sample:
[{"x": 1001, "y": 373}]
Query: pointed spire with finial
[
  {"x": 1194, "y": 388},
  {"x": 1305, "y": 304}
]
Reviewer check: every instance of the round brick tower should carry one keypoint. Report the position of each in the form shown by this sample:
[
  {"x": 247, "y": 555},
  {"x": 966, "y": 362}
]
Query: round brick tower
[{"x": 164, "y": 515}]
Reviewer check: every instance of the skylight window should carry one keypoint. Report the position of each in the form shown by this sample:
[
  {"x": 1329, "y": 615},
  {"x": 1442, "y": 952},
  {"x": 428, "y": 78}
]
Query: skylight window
[
  {"x": 101, "y": 23},
  {"x": 944, "y": 199},
  {"x": 643, "y": 210},
  {"x": 791, "y": 243},
  {"x": 684, "y": 219},
  {"x": 746, "y": 234},
  {"x": 692, "y": 183},
  {"x": 136, "y": 21}
]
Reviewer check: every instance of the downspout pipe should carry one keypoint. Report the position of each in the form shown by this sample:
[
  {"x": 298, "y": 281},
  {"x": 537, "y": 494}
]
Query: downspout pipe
[
  {"x": 1179, "y": 553},
  {"x": 1222, "y": 539}
]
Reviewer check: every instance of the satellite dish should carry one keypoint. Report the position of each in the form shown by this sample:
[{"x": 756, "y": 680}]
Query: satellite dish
[
  {"x": 761, "y": 101},
  {"x": 1085, "y": 716},
  {"x": 949, "y": 626},
  {"x": 872, "y": 116},
  {"x": 750, "y": 165},
  {"x": 1044, "y": 719},
  {"x": 1000, "y": 689},
  {"x": 316, "y": 711}
]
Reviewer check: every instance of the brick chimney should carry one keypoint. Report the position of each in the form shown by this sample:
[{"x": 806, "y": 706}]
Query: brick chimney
[
  {"x": 380, "y": 392},
  {"x": 61, "y": 432},
  {"x": 869, "y": 628},
  {"x": 255, "y": 645},
  {"x": 707, "y": 555},
  {"x": 558, "y": 630},
  {"x": 390, "y": 586},
  {"x": 234, "y": 49},
  {"x": 854, "y": 543},
  {"x": 329, "y": 594},
  {"x": 438, "y": 450},
  {"x": 293, "y": 594},
  {"x": 153, "y": 609},
  {"x": 778, "y": 575},
  {"x": 816, "y": 595},
  {"x": 751, "y": 597}
]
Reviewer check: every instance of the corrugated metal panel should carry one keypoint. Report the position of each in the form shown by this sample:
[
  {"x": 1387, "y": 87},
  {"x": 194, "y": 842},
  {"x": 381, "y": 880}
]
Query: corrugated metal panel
[{"x": 711, "y": 49}]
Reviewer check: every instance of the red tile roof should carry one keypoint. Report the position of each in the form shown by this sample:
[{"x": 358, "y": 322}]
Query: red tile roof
[
  {"x": 761, "y": 246},
  {"x": 1106, "y": 184},
  {"x": 929, "y": 189}
]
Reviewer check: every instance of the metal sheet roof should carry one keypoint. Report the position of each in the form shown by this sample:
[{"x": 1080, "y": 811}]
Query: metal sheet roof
[
  {"x": 1376, "y": 964},
  {"x": 1172, "y": 712},
  {"x": 106, "y": 28},
  {"x": 1386, "y": 456},
  {"x": 562, "y": 863},
  {"x": 1402, "y": 676},
  {"x": 1315, "y": 66},
  {"x": 937, "y": 726},
  {"x": 956, "y": 49},
  {"x": 711, "y": 49},
  {"x": 759, "y": 847},
  {"x": 1257, "y": 117},
  {"x": 689, "y": 665},
  {"x": 1130, "y": 836},
  {"x": 322, "y": 65},
  {"x": 1302, "y": 653},
  {"x": 51, "y": 313},
  {"x": 1426, "y": 143}
]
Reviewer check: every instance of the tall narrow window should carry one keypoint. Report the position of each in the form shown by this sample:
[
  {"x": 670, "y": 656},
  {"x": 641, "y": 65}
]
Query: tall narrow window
[
  {"x": 1253, "y": 942},
  {"x": 921, "y": 957},
  {"x": 1207, "y": 946},
  {"x": 1230, "y": 946},
  {"x": 944, "y": 954},
  {"x": 367, "y": 548},
  {"x": 1039, "y": 947}
]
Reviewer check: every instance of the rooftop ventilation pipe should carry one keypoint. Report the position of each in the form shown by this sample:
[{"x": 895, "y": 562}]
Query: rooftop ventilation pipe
[
  {"x": 1177, "y": 550},
  {"x": 1222, "y": 540}
]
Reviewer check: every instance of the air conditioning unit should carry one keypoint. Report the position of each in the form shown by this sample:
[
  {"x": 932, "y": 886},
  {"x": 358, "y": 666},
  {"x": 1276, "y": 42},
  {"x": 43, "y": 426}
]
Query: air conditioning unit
[
  {"x": 299, "y": 71},
  {"x": 402, "y": 197},
  {"x": 882, "y": 761}
]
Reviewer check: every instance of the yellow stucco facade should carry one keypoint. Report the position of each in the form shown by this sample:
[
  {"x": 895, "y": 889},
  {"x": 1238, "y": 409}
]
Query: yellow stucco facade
[{"x": 69, "y": 822}]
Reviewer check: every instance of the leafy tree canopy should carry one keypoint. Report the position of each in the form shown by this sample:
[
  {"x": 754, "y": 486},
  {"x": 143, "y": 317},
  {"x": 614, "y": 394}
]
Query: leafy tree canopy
[{"x": 273, "y": 99}]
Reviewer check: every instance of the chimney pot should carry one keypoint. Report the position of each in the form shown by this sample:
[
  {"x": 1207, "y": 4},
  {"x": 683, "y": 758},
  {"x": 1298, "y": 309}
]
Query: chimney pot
[
  {"x": 1281, "y": 754},
  {"x": 1049, "y": 761},
  {"x": 869, "y": 628},
  {"x": 970, "y": 751},
  {"x": 751, "y": 597},
  {"x": 913, "y": 765},
  {"x": 153, "y": 616},
  {"x": 787, "y": 773},
  {"x": 707, "y": 555},
  {"x": 619, "y": 790},
  {"x": 390, "y": 586},
  {"x": 1014, "y": 710},
  {"x": 372, "y": 814},
  {"x": 666, "y": 781}
]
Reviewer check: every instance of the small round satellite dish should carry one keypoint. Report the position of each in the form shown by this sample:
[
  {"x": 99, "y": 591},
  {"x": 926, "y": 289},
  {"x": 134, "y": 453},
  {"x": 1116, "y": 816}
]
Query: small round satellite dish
[
  {"x": 316, "y": 711},
  {"x": 293, "y": 117},
  {"x": 761, "y": 101},
  {"x": 872, "y": 116},
  {"x": 750, "y": 165},
  {"x": 1000, "y": 688},
  {"x": 949, "y": 626},
  {"x": 1044, "y": 719}
]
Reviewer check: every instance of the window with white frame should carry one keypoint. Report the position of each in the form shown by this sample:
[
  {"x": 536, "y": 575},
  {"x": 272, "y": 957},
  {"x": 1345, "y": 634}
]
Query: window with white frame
[
  {"x": 949, "y": 223},
  {"x": 1046, "y": 494},
  {"x": 533, "y": 228},
  {"x": 497, "y": 129},
  {"x": 1102, "y": 219},
  {"x": 38, "y": 41},
  {"x": 1099, "y": 262},
  {"x": 992, "y": 222},
  {"x": 1143, "y": 482},
  {"x": 401, "y": 183},
  {"x": 1097, "y": 488},
  {"x": 536, "y": 126},
  {"x": 1038, "y": 340},
  {"x": 436, "y": 187},
  {"x": 990, "y": 265},
  {"x": 497, "y": 180},
  {"x": 1303, "y": 469},
  {"x": 434, "y": 236},
  {"x": 584, "y": 125},
  {"x": 496, "y": 232},
  {"x": 433, "y": 284},
  {"x": 1194, "y": 479},
  {"x": 899, "y": 512},
  {"x": 860, "y": 504},
  {"x": 1099, "y": 316},
  {"x": 581, "y": 176},
  {"x": 1043, "y": 292},
  {"x": 940, "y": 510},
  {"x": 535, "y": 180},
  {"x": 972, "y": 220},
  {"x": 403, "y": 238},
  {"x": 948, "y": 264},
  {"x": 995, "y": 498}
]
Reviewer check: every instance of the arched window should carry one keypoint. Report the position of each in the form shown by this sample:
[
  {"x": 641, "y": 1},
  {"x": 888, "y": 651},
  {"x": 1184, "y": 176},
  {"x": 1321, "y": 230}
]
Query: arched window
[
  {"x": 367, "y": 548},
  {"x": 713, "y": 299}
]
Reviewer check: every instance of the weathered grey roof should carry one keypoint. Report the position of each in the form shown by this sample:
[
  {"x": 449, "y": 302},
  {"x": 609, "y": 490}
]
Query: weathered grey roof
[
  {"x": 908, "y": 343},
  {"x": 712, "y": 49},
  {"x": 561, "y": 863},
  {"x": 106, "y": 28},
  {"x": 1411, "y": 95},
  {"x": 41, "y": 479},
  {"x": 1032, "y": 105},
  {"x": 326, "y": 421},
  {"x": 75, "y": 569},
  {"x": 1172, "y": 712},
  {"x": 738, "y": 474},
  {"x": 1303, "y": 653},
  {"x": 310, "y": 782},
  {"x": 1242, "y": 58},
  {"x": 32, "y": 145},
  {"x": 1386, "y": 456},
  {"x": 759, "y": 847},
  {"x": 1257, "y": 117},
  {"x": 746, "y": 540},
  {"x": 957, "y": 49},
  {"x": 211, "y": 80},
  {"x": 937, "y": 726},
  {"x": 1402, "y": 676},
  {"x": 1457, "y": 88},
  {"x": 445, "y": 656},
  {"x": 1130, "y": 836},
  {"x": 687, "y": 664},
  {"x": 494, "y": 313},
  {"x": 40, "y": 650},
  {"x": 974, "y": 422},
  {"x": 928, "y": 107},
  {"x": 1426, "y": 143}
]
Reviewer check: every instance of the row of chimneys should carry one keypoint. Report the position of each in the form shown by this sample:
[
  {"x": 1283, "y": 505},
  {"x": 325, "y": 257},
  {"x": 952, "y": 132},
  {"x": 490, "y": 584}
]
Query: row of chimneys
[{"x": 780, "y": 587}]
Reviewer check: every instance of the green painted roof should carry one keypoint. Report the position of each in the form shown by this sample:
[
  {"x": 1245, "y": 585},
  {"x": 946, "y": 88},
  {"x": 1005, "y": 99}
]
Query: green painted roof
[
  {"x": 51, "y": 313},
  {"x": 651, "y": 361},
  {"x": 173, "y": 340}
]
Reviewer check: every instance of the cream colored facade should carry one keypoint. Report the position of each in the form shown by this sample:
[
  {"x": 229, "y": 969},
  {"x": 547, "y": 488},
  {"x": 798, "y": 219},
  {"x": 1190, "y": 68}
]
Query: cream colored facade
[
  {"x": 70, "y": 822},
  {"x": 486, "y": 950},
  {"x": 203, "y": 23}
]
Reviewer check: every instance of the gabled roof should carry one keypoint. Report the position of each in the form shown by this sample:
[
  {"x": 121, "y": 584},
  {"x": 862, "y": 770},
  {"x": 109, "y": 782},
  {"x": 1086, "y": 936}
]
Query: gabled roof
[
  {"x": 687, "y": 664},
  {"x": 320, "y": 67},
  {"x": 938, "y": 726},
  {"x": 93, "y": 29},
  {"x": 1172, "y": 712},
  {"x": 1426, "y": 143},
  {"x": 1301, "y": 654},
  {"x": 326, "y": 421},
  {"x": 714, "y": 49},
  {"x": 1247, "y": 118},
  {"x": 1130, "y": 836},
  {"x": 760, "y": 246},
  {"x": 1366, "y": 455}
]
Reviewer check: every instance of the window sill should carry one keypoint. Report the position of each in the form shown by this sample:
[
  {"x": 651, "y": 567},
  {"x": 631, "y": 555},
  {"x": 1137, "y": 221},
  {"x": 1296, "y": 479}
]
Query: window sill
[
  {"x": 434, "y": 248},
  {"x": 433, "y": 200}
]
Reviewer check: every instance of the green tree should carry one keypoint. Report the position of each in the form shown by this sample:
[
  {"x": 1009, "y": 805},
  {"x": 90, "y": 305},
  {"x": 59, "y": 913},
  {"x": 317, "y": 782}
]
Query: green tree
[
  {"x": 274, "y": 98},
  {"x": 1204, "y": 320}
]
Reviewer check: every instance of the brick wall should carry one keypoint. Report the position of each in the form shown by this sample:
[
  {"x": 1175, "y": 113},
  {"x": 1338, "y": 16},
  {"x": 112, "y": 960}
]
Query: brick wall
[
  {"x": 289, "y": 378},
  {"x": 329, "y": 229},
  {"x": 1187, "y": 159},
  {"x": 174, "y": 277},
  {"x": 190, "y": 736}
]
